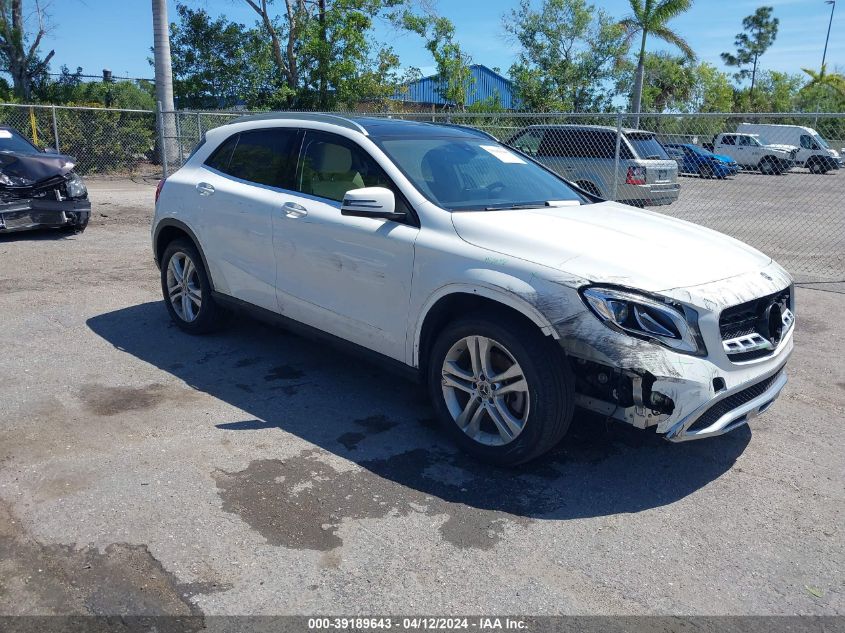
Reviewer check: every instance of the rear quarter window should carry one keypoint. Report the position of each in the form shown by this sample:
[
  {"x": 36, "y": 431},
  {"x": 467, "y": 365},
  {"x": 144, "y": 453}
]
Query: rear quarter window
[{"x": 646, "y": 146}]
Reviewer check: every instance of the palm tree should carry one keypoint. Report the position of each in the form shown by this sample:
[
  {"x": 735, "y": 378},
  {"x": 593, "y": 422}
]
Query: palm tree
[
  {"x": 650, "y": 17},
  {"x": 164, "y": 79},
  {"x": 823, "y": 78}
]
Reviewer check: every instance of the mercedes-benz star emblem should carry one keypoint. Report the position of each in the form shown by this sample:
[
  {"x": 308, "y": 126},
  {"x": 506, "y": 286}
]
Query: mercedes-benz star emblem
[{"x": 773, "y": 322}]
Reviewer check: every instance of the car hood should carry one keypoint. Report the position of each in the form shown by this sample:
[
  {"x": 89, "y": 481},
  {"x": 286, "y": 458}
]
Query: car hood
[
  {"x": 27, "y": 169},
  {"x": 611, "y": 243},
  {"x": 781, "y": 147}
]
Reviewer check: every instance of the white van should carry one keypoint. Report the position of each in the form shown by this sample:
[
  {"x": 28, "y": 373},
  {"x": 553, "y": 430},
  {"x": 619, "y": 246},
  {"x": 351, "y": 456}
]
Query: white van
[{"x": 813, "y": 151}]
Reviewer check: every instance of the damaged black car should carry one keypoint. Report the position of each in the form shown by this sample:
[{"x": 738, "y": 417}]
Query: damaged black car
[{"x": 39, "y": 189}]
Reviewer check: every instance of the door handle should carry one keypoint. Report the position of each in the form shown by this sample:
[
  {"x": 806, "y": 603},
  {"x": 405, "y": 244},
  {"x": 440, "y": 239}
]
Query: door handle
[
  {"x": 294, "y": 211},
  {"x": 205, "y": 189}
]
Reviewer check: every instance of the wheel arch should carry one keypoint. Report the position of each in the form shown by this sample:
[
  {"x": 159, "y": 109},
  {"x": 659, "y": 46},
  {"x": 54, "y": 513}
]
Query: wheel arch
[
  {"x": 453, "y": 300},
  {"x": 170, "y": 229}
]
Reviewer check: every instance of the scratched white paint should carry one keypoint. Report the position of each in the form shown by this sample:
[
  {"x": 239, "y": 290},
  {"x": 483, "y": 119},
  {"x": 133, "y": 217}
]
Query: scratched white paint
[{"x": 373, "y": 281}]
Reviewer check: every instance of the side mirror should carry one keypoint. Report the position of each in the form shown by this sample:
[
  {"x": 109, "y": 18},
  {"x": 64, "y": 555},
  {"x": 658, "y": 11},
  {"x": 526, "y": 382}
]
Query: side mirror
[
  {"x": 371, "y": 202},
  {"x": 49, "y": 150}
]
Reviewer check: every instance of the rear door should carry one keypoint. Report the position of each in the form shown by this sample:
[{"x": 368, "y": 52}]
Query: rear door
[{"x": 241, "y": 187}]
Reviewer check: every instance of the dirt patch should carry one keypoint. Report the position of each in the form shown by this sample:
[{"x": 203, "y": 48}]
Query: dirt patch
[
  {"x": 301, "y": 503},
  {"x": 121, "y": 580},
  {"x": 109, "y": 401}
]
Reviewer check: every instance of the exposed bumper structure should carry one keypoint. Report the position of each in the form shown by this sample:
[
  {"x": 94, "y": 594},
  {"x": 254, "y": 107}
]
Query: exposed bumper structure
[
  {"x": 27, "y": 214},
  {"x": 686, "y": 397},
  {"x": 729, "y": 410}
]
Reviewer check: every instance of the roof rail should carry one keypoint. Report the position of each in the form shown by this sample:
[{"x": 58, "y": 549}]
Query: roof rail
[{"x": 317, "y": 117}]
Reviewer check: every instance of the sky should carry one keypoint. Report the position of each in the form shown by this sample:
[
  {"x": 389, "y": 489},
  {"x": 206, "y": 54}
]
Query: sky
[{"x": 122, "y": 32}]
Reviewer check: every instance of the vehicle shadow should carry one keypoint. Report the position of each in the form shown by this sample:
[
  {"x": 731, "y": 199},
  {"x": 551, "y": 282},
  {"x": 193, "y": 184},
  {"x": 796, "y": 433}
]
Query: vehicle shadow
[
  {"x": 36, "y": 235},
  {"x": 365, "y": 414}
]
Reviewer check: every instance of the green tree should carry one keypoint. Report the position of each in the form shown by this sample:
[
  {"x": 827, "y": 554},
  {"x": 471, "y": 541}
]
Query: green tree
[
  {"x": 454, "y": 76},
  {"x": 568, "y": 53},
  {"x": 651, "y": 17},
  {"x": 217, "y": 62},
  {"x": 668, "y": 82},
  {"x": 19, "y": 49},
  {"x": 759, "y": 33},
  {"x": 713, "y": 91},
  {"x": 338, "y": 47},
  {"x": 823, "y": 79}
]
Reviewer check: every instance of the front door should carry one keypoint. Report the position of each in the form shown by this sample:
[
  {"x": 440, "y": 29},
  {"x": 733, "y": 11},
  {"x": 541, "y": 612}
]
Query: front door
[{"x": 349, "y": 276}]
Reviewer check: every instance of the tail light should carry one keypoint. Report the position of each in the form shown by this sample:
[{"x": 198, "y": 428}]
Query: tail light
[
  {"x": 158, "y": 189},
  {"x": 636, "y": 176}
]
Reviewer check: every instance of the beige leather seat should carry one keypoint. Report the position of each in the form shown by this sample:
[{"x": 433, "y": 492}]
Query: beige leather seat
[{"x": 331, "y": 174}]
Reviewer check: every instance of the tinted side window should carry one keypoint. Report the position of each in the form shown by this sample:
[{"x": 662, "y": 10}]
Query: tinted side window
[
  {"x": 562, "y": 142},
  {"x": 806, "y": 142},
  {"x": 729, "y": 140},
  {"x": 332, "y": 165},
  {"x": 266, "y": 157},
  {"x": 219, "y": 158},
  {"x": 529, "y": 141}
]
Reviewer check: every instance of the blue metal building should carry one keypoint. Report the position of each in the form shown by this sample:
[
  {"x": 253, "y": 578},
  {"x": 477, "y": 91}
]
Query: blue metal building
[{"x": 487, "y": 84}]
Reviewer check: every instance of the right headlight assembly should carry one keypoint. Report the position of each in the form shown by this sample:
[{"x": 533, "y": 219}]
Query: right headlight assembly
[{"x": 642, "y": 316}]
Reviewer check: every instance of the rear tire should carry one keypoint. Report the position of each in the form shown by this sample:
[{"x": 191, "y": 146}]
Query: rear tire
[
  {"x": 502, "y": 390},
  {"x": 187, "y": 290}
]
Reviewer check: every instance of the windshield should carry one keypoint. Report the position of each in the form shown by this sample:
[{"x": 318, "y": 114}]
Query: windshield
[
  {"x": 821, "y": 141},
  {"x": 12, "y": 142},
  {"x": 646, "y": 146},
  {"x": 462, "y": 174}
]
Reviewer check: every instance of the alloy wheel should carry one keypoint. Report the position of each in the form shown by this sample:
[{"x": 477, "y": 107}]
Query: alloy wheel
[
  {"x": 183, "y": 287},
  {"x": 485, "y": 390}
]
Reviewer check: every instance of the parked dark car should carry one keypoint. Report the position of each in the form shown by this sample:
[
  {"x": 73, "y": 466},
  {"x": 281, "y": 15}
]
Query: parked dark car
[
  {"x": 39, "y": 189},
  {"x": 693, "y": 159}
]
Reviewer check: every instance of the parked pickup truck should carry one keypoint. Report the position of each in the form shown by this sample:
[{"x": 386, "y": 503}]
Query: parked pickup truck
[{"x": 752, "y": 153}]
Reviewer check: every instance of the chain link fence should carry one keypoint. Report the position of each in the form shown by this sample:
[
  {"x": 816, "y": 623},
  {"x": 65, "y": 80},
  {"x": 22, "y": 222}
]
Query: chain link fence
[{"x": 770, "y": 180}]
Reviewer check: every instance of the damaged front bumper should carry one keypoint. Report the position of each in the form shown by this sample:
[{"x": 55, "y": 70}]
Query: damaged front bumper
[
  {"x": 34, "y": 213},
  {"x": 683, "y": 397}
]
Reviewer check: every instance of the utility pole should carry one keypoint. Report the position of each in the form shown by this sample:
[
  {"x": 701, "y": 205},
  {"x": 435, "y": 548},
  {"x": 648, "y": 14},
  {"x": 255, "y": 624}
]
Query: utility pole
[
  {"x": 832, "y": 4},
  {"x": 164, "y": 81}
]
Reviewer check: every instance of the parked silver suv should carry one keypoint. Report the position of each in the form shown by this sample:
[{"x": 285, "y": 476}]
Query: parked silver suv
[{"x": 586, "y": 156}]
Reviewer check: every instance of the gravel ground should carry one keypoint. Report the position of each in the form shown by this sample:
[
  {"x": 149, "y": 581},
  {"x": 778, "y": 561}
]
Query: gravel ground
[
  {"x": 797, "y": 217},
  {"x": 251, "y": 472}
]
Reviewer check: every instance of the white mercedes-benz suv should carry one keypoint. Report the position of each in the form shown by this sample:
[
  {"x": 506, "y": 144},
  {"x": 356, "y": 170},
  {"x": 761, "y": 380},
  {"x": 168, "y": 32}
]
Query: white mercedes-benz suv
[{"x": 510, "y": 293}]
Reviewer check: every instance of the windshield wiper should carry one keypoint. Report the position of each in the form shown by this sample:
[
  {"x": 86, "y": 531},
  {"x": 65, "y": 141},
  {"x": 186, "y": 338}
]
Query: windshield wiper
[{"x": 524, "y": 205}]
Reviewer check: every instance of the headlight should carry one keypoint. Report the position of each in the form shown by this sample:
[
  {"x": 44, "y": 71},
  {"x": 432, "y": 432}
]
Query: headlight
[
  {"x": 75, "y": 187},
  {"x": 642, "y": 316}
]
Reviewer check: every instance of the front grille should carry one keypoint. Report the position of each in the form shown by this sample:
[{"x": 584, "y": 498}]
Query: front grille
[
  {"x": 732, "y": 402},
  {"x": 745, "y": 321}
]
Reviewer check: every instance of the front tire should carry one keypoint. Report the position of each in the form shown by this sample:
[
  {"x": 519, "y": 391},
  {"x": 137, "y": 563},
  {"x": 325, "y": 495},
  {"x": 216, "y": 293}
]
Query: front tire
[
  {"x": 186, "y": 289},
  {"x": 706, "y": 171},
  {"x": 817, "y": 167},
  {"x": 769, "y": 166},
  {"x": 502, "y": 390}
]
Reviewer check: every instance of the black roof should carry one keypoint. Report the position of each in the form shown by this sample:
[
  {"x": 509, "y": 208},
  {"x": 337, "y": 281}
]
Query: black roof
[{"x": 379, "y": 127}]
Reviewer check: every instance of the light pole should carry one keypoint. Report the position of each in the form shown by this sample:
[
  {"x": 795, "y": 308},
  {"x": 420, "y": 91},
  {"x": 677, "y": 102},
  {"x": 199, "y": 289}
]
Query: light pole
[{"x": 832, "y": 4}]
